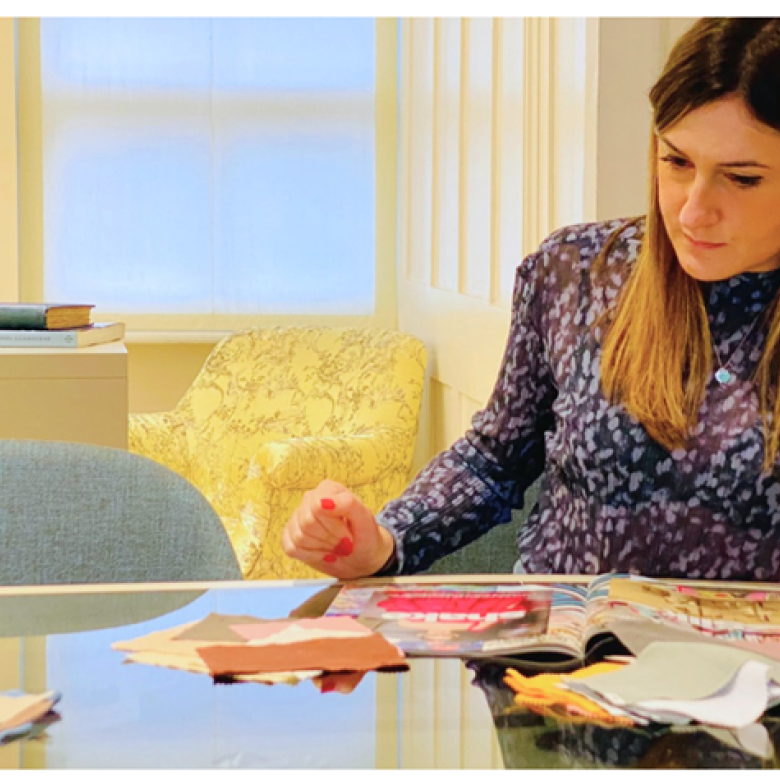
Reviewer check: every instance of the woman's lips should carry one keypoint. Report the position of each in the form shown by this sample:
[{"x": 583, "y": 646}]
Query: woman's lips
[{"x": 702, "y": 244}]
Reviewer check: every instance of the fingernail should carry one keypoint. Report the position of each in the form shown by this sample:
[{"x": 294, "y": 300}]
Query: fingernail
[
  {"x": 344, "y": 547},
  {"x": 327, "y": 503},
  {"x": 328, "y": 686},
  {"x": 330, "y": 558}
]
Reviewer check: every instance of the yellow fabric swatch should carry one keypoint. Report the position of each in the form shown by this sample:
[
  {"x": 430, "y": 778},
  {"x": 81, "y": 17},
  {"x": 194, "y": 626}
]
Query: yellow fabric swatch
[{"x": 543, "y": 694}]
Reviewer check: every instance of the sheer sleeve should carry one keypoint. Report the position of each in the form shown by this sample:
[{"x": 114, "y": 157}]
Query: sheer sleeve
[{"x": 474, "y": 485}]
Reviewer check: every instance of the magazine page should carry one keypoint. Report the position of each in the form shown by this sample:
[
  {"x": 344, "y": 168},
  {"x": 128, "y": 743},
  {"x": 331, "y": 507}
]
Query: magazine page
[
  {"x": 736, "y": 613},
  {"x": 470, "y": 620},
  {"x": 599, "y": 611}
]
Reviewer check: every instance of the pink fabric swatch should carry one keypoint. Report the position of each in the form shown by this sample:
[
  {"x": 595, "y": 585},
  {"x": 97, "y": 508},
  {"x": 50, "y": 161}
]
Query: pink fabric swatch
[{"x": 333, "y": 626}]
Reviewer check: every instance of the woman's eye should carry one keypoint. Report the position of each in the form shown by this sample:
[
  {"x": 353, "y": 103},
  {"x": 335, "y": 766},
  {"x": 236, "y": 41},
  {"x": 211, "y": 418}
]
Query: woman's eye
[
  {"x": 674, "y": 161},
  {"x": 744, "y": 181}
]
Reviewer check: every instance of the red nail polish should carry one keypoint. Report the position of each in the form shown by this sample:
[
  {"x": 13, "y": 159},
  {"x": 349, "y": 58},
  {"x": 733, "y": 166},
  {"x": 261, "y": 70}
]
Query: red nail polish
[
  {"x": 327, "y": 503},
  {"x": 327, "y": 686},
  {"x": 344, "y": 547},
  {"x": 330, "y": 558}
]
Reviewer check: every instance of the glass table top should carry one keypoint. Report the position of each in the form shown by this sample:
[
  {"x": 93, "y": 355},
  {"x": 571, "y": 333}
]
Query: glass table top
[{"x": 442, "y": 713}]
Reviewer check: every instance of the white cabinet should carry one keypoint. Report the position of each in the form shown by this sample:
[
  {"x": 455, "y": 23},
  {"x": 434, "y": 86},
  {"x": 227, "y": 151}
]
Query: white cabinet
[{"x": 65, "y": 394}]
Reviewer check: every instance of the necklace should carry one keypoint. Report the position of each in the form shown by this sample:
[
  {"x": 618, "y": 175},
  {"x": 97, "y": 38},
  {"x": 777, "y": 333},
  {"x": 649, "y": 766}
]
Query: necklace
[{"x": 723, "y": 375}]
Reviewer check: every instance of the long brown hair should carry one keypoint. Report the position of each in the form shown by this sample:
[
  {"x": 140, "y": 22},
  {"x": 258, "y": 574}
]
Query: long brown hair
[{"x": 656, "y": 356}]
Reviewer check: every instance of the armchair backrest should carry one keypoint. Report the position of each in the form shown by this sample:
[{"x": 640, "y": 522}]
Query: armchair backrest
[{"x": 265, "y": 383}]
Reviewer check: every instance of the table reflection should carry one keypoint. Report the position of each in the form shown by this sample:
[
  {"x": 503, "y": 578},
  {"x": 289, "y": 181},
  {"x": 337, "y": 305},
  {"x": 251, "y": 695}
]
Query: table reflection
[
  {"x": 117, "y": 715},
  {"x": 442, "y": 713},
  {"x": 529, "y": 741}
]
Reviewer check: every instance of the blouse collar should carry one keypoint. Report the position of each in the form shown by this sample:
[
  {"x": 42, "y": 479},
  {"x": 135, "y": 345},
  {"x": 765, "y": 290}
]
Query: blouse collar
[{"x": 741, "y": 297}]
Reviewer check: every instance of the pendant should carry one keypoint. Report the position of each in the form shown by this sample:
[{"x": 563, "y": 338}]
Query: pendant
[{"x": 723, "y": 376}]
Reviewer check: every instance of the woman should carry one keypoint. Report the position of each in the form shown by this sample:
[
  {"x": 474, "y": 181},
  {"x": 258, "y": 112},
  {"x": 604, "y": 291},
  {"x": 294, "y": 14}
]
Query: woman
[{"x": 641, "y": 370}]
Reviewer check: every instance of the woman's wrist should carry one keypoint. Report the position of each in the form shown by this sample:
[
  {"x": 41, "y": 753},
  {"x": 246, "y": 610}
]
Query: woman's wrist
[{"x": 391, "y": 562}]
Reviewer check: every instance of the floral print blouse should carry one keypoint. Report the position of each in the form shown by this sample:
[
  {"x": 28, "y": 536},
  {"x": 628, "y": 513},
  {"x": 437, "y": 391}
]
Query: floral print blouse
[{"x": 611, "y": 498}]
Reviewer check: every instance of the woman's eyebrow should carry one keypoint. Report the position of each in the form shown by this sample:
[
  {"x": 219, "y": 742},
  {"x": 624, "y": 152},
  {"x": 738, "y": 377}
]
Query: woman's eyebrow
[
  {"x": 664, "y": 140},
  {"x": 734, "y": 164}
]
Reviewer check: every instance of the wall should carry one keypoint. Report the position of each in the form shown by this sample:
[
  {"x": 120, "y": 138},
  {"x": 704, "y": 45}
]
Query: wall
[
  {"x": 9, "y": 237},
  {"x": 631, "y": 54},
  {"x": 509, "y": 129},
  {"x": 478, "y": 154},
  {"x": 159, "y": 374}
]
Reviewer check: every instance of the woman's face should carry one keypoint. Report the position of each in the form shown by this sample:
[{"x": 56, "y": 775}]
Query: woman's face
[{"x": 719, "y": 191}]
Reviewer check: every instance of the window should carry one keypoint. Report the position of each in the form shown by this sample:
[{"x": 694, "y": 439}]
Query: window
[{"x": 209, "y": 168}]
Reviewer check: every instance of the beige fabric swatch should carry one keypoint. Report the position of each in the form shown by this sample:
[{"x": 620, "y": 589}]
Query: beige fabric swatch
[
  {"x": 196, "y": 664},
  {"x": 18, "y": 710},
  {"x": 167, "y": 650},
  {"x": 636, "y": 634},
  {"x": 677, "y": 670},
  {"x": 218, "y": 628},
  {"x": 157, "y": 641}
]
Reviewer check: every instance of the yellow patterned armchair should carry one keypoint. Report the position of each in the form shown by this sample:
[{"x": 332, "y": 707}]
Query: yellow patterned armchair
[{"x": 274, "y": 411}]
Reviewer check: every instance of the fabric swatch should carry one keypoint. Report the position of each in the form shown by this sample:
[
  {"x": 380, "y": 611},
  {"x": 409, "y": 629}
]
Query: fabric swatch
[
  {"x": 753, "y": 739},
  {"x": 29, "y": 730},
  {"x": 196, "y": 664},
  {"x": 677, "y": 670},
  {"x": 635, "y": 635},
  {"x": 738, "y": 704},
  {"x": 284, "y": 632},
  {"x": 544, "y": 695},
  {"x": 329, "y": 655},
  {"x": 166, "y": 649},
  {"x": 165, "y": 641},
  {"x": 232, "y": 646},
  {"x": 217, "y": 628},
  {"x": 18, "y": 709}
]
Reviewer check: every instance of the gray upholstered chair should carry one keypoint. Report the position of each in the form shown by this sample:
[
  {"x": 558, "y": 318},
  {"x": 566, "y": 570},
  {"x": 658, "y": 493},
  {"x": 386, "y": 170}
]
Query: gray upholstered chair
[
  {"x": 79, "y": 513},
  {"x": 493, "y": 553},
  {"x": 35, "y": 614}
]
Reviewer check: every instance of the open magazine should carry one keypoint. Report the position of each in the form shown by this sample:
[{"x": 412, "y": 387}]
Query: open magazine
[{"x": 546, "y": 624}]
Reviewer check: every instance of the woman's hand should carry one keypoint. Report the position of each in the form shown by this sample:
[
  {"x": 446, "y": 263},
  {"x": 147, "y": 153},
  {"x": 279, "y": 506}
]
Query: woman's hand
[{"x": 334, "y": 532}]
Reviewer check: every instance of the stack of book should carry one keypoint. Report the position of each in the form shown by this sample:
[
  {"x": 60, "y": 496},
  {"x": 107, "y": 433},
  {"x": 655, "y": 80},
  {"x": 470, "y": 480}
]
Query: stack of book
[{"x": 54, "y": 325}]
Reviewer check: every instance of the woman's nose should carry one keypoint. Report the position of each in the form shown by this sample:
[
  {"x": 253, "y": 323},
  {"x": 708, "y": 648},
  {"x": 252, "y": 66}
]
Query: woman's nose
[{"x": 700, "y": 207}]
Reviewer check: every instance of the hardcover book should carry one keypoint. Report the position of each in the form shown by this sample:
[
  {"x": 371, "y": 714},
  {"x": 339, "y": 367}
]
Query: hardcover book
[
  {"x": 557, "y": 625},
  {"x": 44, "y": 316},
  {"x": 99, "y": 333}
]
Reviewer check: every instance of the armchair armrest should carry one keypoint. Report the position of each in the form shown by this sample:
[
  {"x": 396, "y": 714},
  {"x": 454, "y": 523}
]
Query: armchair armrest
[
  {"x": 374, "y": 465},
  {"x": 352, "y": 459},
  {"x": 161, "y": 437}
]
